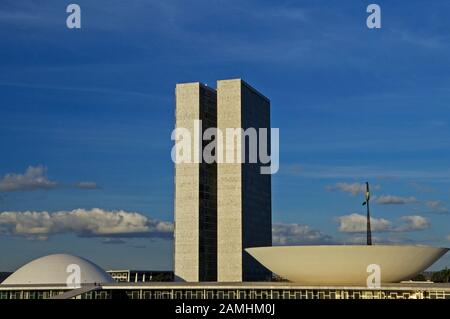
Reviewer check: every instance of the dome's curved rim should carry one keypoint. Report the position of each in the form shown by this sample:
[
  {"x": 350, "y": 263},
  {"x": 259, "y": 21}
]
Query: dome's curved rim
[
  {"x": 53, "y": 269},
  {"x": 345, "y": 264}
]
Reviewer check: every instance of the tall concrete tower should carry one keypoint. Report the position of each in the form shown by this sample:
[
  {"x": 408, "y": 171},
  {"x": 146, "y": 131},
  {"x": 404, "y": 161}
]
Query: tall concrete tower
[
  {"x": 195, "y": 191},
  {"x": 244, "y": 210},
  {"x": 221, "y": 209}
]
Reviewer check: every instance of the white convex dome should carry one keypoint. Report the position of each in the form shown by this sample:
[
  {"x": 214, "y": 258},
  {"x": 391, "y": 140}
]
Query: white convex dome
[{"x": 54, "y": 269}]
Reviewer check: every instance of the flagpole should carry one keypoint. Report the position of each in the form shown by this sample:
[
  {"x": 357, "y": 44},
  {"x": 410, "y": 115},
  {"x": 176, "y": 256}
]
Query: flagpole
[{"x": 369, "y": 231}]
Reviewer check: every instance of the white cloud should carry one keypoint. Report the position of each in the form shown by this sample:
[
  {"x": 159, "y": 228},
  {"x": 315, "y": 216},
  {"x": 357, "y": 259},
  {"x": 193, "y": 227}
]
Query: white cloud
[
  {"x": 354, "y": 188},
  {"x": 412, "y": 223},
  {"x": 433, "y": 203},
  {"x": 351, "y": 188},
  {"x": 293, "y": 234},
  {"x": 84, "y": 223},
  {"x": 34, "y": 178},
  {"x": 356, "y": 223},
  {"x": 87, "y": 185},
  {"x": 395, "y": 200},
  {"x": 437, "y": 207}
]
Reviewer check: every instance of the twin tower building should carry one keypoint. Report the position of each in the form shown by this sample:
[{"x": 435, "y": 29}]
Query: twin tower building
[{"x": 221, "y": 208}]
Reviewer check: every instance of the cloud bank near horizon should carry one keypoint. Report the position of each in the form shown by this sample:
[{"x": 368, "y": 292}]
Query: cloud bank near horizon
[
  {"x": 83, "y": 223},
  {"x": 114, "y": 226},
  {"x": 357, "y": 223}
]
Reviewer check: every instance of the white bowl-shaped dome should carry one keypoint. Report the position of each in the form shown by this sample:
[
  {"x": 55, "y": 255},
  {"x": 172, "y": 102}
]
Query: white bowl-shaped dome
[
  {"x": 337, "y": 265},
  {"x": 56, "y": 269}
]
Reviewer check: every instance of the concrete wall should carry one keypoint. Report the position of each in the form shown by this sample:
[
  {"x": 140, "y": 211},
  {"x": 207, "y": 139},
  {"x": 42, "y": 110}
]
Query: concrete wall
[
  {"x": 195, "y": 191},
  {"x": 186, "y": 259},
  {"x": 229, "y": 188},
  {"x": 221, "y": 209},
  {"x": 244, "y": 195}
]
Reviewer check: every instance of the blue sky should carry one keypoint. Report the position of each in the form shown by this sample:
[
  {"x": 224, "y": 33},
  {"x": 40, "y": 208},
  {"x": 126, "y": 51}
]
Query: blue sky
[{"x": 96, "y": 106}]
